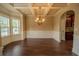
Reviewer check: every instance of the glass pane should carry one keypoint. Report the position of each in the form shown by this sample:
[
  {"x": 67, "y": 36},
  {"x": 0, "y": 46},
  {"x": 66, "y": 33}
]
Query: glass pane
[
  {"x": 4, "y": 26},
  {"x": 15, "y": 23},
  {"x": 15, "y": 30},
  {"x": 4, "y": 31},
  {"x": 16, "y": 26},
  {"x": 4, "y": 21}
]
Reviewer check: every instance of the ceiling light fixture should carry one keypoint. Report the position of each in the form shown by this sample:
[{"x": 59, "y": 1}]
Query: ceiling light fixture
[{"x": 40, "y": 18}]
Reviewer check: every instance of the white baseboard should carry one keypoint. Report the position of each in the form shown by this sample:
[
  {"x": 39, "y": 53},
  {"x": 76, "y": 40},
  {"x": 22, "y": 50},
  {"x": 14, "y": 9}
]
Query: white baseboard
[{"x": 43, "y": 34}]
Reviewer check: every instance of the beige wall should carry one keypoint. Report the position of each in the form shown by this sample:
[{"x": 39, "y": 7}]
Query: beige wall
[
  {"x": 46, "y": 26},
  {"x": 24, "y": 22},
  {"x": 49, "y": 29}
]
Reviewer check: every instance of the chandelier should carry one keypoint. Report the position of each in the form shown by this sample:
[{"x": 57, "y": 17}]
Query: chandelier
[
  {"x": 41, "y": 11},
  {"x": 40, "y": 17},
  {"x": 39, "y": 20}
]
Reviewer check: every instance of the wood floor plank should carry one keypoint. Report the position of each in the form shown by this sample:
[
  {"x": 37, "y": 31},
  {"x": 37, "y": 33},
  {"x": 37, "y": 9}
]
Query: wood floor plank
[{"x": 38, "y": 47}]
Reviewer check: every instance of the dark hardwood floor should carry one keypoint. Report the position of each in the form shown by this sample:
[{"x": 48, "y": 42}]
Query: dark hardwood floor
[{"x": 38, "y": 47}]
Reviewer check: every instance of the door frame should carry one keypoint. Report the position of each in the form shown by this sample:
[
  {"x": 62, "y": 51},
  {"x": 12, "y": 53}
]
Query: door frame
[{"x": 63, "y": 24}]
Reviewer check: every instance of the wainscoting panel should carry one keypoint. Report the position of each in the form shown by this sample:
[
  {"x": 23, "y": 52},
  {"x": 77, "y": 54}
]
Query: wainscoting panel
[{"x": 43, "y": 34}]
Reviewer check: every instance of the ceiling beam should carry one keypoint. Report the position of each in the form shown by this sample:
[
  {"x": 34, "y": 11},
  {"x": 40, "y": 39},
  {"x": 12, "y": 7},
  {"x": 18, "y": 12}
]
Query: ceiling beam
[
  {"x": 32, "y": 10},
  {"x": 47, "y": 9},
  {"x": 36, "y": 7}
]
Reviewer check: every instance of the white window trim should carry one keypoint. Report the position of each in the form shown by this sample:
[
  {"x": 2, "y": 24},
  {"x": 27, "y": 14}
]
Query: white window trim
[
  {"x": 0, "y": 26},
  {"x": 18, "y": 27},
  {"x": 10, "y": 25}
]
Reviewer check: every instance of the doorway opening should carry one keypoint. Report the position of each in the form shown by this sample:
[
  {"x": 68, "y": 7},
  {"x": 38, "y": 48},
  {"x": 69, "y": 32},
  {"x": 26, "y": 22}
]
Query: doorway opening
[
  {"x": 67, "y": 29},
  {"x": 69, "y": 25}
]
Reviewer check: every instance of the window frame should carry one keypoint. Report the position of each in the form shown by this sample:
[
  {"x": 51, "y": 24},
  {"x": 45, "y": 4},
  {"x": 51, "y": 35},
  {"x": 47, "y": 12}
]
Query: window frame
[
  {"x": 4, "y": 15},
  {"x": 13, "y": 18},
  {"x": 10, "y": 25}
]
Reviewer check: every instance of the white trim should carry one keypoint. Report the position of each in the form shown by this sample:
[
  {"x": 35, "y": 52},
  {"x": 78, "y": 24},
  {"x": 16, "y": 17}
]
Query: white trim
[
  {"x": 76, "y": 45},
  {"x": 39, "y": 34},
  {"x": 56, "y": 36},
  {"x": 43, "y": 34},
  {"x": 24, "y": 34}
]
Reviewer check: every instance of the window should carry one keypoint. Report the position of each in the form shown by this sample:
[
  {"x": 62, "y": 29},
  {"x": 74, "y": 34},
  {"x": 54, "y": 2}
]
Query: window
[
  {"x": 16, "y": 26},
  {"x": 4, "y": 26}
]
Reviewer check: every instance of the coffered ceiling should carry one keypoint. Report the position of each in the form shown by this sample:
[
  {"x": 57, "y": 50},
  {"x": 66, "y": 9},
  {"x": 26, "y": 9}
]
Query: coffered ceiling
[{"x": 39, "y": 8}]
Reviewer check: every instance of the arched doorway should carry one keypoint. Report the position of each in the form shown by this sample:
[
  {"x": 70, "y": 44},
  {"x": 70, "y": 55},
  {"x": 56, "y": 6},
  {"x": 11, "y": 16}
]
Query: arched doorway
[{"x": 67, "y": 25}]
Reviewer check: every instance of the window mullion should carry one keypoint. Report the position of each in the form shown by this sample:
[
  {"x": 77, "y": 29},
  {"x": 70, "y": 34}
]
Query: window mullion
[{"x": 10, "y": 23}]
